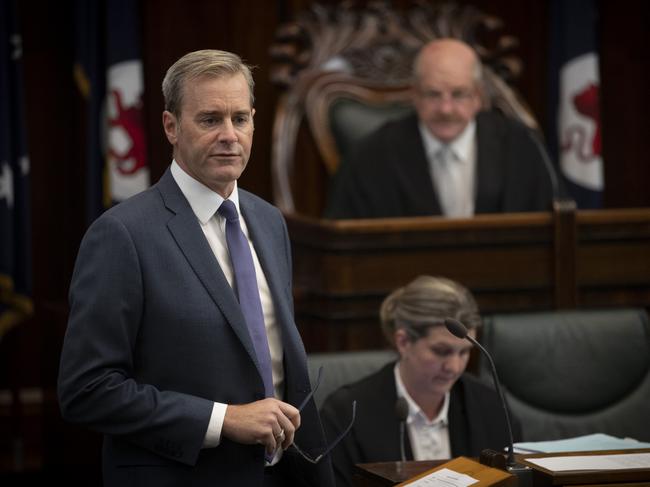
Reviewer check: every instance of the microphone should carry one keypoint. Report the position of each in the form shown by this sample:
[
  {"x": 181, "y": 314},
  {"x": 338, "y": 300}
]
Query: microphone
[
  {"x": 548, "y": 165},
  {"x": 457, "y": 329},
  {"x": 402, "y": 412}
]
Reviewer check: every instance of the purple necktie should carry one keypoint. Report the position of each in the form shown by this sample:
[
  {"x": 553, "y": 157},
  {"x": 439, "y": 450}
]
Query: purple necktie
[{"x": 247, "y": 291}]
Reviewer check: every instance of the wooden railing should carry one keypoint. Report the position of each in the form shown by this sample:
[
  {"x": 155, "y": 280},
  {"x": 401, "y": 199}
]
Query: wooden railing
[{"x": 516, "y": 262}]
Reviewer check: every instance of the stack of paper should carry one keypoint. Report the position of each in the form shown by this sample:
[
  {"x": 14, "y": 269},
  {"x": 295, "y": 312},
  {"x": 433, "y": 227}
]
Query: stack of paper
[
  {"x": 595, "y": 442},
  {"x": 620, "y": 461}
]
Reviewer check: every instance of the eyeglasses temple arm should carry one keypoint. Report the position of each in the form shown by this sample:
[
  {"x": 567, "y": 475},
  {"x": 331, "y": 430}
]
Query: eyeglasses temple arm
[{"x": 313, "y": 389}]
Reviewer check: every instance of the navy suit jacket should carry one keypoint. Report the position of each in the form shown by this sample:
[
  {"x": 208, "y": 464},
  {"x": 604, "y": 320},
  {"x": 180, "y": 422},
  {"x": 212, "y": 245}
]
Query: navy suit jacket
[
  {"x": 387, "y": 173},
  {"x": 476, "y": 422},
  {"x": 156, "y": 335}
]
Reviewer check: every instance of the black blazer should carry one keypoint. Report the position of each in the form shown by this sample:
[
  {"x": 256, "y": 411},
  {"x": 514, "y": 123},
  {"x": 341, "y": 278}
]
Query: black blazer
[
  {"x": 476, "y": 422},
  {"x": 387, "y": 173}
]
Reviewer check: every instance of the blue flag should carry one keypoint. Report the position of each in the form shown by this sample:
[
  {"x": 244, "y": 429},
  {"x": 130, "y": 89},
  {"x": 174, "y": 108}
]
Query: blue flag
[
  {"x": 15, "y": 222},
  {"x": 108, "y": 72},
  {"x": 575, "y": 132}
]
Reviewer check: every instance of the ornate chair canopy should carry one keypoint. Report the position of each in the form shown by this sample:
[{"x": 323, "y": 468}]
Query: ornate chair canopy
[{"x": 344, "y": 70}]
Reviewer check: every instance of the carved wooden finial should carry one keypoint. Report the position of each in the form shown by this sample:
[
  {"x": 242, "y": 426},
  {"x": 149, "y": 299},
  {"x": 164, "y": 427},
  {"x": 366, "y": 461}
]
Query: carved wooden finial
[{"x": 380, "y": 41}]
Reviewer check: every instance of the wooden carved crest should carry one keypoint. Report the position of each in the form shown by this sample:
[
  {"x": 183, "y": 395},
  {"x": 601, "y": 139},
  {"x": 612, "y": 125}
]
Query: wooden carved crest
[
  {"x": 332, "y": 48},
  {"x": 379, "y": 41}
]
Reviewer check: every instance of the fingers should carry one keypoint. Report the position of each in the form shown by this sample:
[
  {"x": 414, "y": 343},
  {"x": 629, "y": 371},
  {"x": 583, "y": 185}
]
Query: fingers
[
  {"x": 279, "y": 439},
  {"x": 268, "y": 422},
  {"x": 289, "y": 422},
  {"x": 274, "y": 440}
]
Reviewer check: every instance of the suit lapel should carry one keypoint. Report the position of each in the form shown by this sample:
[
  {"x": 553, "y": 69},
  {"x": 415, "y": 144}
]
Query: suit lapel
[
  {"x": 489, "y": 166},
  {"x": 458, "y": 432},
  {"x": 295, "y": 358},
  {"x": 187, "y": 233},
  {"x": 268, "y": 257},
  {"x": 390, "y": 434},
  {"x": 415, "y": 166}
]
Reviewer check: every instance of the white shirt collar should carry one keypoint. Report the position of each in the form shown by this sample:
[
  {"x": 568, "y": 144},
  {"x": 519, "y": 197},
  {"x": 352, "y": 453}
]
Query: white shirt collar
[
  {"x": 203, "y": 200},
  {"x": 461, "y": 146},
  {"x": 414, "y": 409}
]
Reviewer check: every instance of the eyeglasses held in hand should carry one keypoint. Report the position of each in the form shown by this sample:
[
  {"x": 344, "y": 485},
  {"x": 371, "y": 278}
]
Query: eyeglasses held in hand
[{"x": 338, "y": 439}]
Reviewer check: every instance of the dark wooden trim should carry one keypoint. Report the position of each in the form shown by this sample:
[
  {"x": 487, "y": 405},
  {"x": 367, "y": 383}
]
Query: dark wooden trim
[
  {"x": 512, "y": 263},
  {"x": 566, "y": 286}
]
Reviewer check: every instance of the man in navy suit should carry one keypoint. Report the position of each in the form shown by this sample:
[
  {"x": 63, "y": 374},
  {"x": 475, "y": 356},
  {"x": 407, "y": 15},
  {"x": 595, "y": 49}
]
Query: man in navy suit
[
  {"x": 158, "y": 355},
  {"x": 448, "y": 158}
]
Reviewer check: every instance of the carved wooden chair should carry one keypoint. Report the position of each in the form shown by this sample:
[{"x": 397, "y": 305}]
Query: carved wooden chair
[{"x": 344, "y": 70}]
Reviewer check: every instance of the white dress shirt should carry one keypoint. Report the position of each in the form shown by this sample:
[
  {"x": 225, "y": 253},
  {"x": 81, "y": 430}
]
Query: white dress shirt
[
  {"x": 205, "y": 203},
  {"x": 429, "y": 438},
  {"x": 453, "y": 170}
]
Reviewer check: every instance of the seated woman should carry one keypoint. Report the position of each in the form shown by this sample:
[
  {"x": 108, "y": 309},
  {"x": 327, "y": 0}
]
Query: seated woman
[{"x": 450, "y": 413}]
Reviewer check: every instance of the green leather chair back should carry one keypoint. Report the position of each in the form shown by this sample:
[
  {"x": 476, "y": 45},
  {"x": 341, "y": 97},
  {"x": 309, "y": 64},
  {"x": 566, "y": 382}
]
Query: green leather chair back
[
  {"x": 340, "y": 368},
  {"x": 569, "y": 373},
  {"x": 351, "y": 120}
]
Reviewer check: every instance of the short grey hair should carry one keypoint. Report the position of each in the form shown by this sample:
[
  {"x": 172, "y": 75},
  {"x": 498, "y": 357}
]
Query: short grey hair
[
  {"x": 207, "y": 62},
  {"x": 424, "y": 303}
]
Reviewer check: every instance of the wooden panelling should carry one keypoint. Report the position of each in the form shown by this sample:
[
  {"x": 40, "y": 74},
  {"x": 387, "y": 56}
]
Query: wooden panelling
[{"x": 525, "y": 262}]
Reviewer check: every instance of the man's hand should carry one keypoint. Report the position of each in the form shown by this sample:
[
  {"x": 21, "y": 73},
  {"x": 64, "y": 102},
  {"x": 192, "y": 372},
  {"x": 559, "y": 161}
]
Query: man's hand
[{"x": 268, "y": 422}]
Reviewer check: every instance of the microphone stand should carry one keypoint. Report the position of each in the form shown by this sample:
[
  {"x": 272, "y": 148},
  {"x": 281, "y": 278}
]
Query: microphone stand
[
  {"x": 523, "y": 473},
  {"x": 401, "y": 411},
  {"x": 510, "y": 461}
]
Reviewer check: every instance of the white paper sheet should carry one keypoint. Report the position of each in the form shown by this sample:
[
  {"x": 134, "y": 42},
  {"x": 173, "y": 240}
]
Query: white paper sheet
[
  {"x": 593, "y": 462},
  {"x": 445, "y": 478}
]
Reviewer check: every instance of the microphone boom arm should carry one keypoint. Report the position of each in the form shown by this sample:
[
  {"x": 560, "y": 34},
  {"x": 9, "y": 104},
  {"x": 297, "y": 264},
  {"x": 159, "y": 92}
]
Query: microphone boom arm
[{"x": 511, "y": 455}]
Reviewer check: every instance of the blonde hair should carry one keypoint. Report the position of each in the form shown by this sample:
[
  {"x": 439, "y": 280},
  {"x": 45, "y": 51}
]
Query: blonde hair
[
  {"x": 207, "y": 62},
  {"x": 425, "y": 302}
]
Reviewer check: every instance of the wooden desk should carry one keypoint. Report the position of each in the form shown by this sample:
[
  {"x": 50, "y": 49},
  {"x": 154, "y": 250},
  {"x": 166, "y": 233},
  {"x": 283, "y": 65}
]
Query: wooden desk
[
  {"x": 512, "y": 263},
  {"x": 384, "y": 474},
  {"x": 610, "y": 478},
  {"x": 390, "y": 473}
]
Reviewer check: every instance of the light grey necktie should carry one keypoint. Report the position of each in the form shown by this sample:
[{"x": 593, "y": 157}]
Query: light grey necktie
[{"x": 450, "y": 188}]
